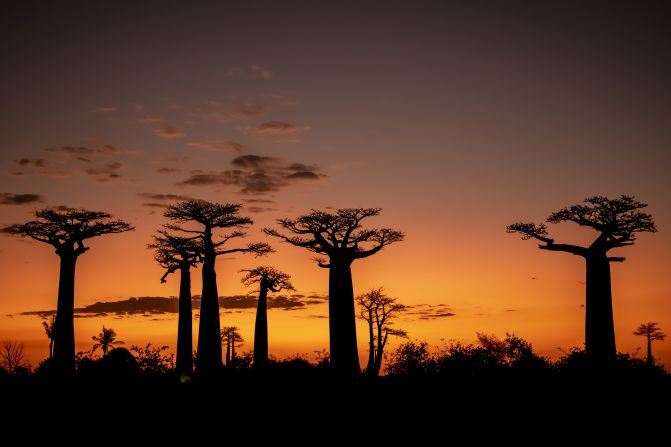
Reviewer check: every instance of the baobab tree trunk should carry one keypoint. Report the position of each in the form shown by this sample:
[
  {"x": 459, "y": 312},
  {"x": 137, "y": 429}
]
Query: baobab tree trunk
[
  {"x": 261, "y": 329},
  {"x": 379, "y": 355},
  {"x": 208, "y": 360},
  {"x": 228, "y": 350},
  {"x": 650, "y": 361},
  {"x": 599, "y": 328},
  {"x": 370, "y": 366},
  {"x": 64, "y": 329},
  {"x": 184, "y": 328},
  {"x": 342, "y": 323},
  {"x": 51, "y": 348}
]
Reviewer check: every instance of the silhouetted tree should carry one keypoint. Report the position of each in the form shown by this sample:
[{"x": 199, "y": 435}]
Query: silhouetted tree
[
  {"x": 105, "y": 339},
  {"x": 269, "y": 279},
  {"x": 617, "y": 221},
  {"x": 180, "y": 253},
  {"x": 339, "y": 237},
  {"x": 652, "y": 332},
  {"x": 231, "y": 336},
  {"x": 379, "y": 311},
  {"x": 208, "y": 217},
  {"x": 66, "y": 231},
  {"x": 12, "y": 357},
  {"x": 411, "y": 359},
  {"x": 48, "y": 326}
]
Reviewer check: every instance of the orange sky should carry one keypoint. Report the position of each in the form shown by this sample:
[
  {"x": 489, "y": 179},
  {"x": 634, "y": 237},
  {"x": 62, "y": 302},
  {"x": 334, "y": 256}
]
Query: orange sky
[{"x": 456, "y": 121}]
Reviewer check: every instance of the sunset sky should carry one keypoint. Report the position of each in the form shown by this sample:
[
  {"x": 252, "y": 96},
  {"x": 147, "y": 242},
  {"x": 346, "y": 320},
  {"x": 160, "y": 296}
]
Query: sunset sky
[{"x": 455, "y": 120}]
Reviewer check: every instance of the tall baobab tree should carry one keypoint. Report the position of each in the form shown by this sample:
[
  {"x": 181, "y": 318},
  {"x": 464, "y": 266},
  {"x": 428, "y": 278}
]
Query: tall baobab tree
[
  {"x": 231, "y": 336},
  {"x": 66, "y": 230},
  {"x": 340, "y": 240},
  {"x": 616, "y": 221},
  {"x": 180, "y": 253},
  {"x": 48, "y": 326},
  {"x": 269, "y": 279},
  {"x": 653, "y": 333},
  {"x": 379, "y": 310},
  {"x": 105, "y": 339},
  {"x": 204, "y": 218}
]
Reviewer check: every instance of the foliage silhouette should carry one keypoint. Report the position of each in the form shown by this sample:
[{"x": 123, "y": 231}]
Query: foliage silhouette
[
  {"x": 651, "y": 332},
  {"x": 379, "y": 311},
  {"x": 340, "y": 239},
  {"x": 152, "y": 359},
  {"x": 48, "y": 326},
  {"x": 209, "y": 216},
  {"x": 617, "y": 222},
  {"x": 105, "y": 339},
  {"x": 66, "y": 231},
  {"x": 174, "y": 253},
  {"x": 12, "y": 357},
  {"x": 268, "y": 279}
]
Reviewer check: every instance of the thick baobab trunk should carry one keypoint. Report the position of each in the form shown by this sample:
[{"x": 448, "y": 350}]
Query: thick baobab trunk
[
  {"x": 650, "y": 360},
  {"x": 64, "y": 329},
  {"x": 599, "y": 328},
  {"x": 184, "y": 328},
  {"x": 261, "y": 329},
  {"x": 342, "y": 323},
  {"x": 208, "y": 360}
]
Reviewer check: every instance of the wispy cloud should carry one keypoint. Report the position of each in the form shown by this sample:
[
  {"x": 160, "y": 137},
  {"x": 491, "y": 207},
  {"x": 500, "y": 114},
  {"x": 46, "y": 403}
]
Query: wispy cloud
[
  {"x": 253, "y": 71},
  {"x": 429, "y": 311},
  {"x": 71, "y": 150},
  {"x": 160, "y": 200},
  {"x": 108, "y": 109},
  {"x": 256, "y": 174},
  {"x": 32, "y": 162},
  {"x": 166, "y": 171},
  {"x": 108, "y": 172},
  {"x": 216, "y": 145},
  {"x": 7, "y": 198},
  {"x": 151, "y": 119},
  {"x": 244, "y": 108},
  {"x": 169, "y": 132},
  {"x": 107, "y": 149}
]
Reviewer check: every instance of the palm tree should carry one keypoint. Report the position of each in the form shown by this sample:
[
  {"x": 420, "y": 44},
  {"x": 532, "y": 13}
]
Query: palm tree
[
  {"x": 48, "y": 326},
  {"x": 652, "y": 332},
  {"x": 105, "y": 340}
]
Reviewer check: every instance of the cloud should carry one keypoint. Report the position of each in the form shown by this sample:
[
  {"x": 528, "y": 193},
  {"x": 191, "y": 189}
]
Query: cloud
[
  {"x": 167, "y": 170},
  {"x": 32, "y": 162},
  {"x": 244, "y": 108},
  {"x": 170, "y": 305},
  {"x": 70, "y": 150},
  {"x": 7, "y": 198},
  {"x": 106, "y": 109},
  {"x": 249, "y": 109},
  {"x": 84, "y": 160},
  {"x": 106, "y": 149},
  {"x": 107, "y": 172},
  {"x": 216, "y": 145},
  {"x": 160, "y": 200},
  {"x": 253, "y": 71},
  {"x": 256, "y": 174},
  {"x": 273, "y": 128},
  {"x": 169, "y": 132},
  {"x": 429, "y": 311},
  {"x": 151, "y": 119}
]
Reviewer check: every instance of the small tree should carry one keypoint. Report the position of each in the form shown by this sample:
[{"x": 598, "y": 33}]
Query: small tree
[
  {"x": 66, "y": 231},
  {"x": 268, "y": 279},
  {"x": 105, "y": 339},
  {"x": 652, "y": 332},
  {"x": 174, "y": 253},
  {"x": 231, "y": 336},
  {"x": 12, "y": 357},
  {"x": 340, "y": 239},
  {"x": 379, "y": 311},
  {"x": 617, "y": 221},
  {"x": 208, "y": 217},
  {"x": 48, "y": 326}
]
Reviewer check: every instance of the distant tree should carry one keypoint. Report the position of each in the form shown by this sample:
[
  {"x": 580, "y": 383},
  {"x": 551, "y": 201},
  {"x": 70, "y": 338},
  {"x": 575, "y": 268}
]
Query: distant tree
[
  {"x": 379, "y": 311},
  {"x": 268, "y": 279},
  {"x": 231, "y": 336},
  {"x": 105, "y": 340},
  {"x": 652, "y": 332},
  {"x": 341, "y": 240},
  {"x": 207, "y": 217},
  {"x": 48, "y": 326},
  {"x": 410, "y": 359},
  {"x": 617, "y": 221},
  {"x": 12, "y": 357},
  {"x": 151, "y": 359},
  {"x": 174, "y": 253},
  {"x": 66, "y": 231}
]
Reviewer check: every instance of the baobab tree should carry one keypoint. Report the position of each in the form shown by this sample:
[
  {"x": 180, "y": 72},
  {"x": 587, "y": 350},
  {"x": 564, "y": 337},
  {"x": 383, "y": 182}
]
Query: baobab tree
[
  {"x": 379, "y": 310},
  {"x": 66, "y": 230},
  {"x": 268, "y": 279},
  {"x": 205, "y": 217},
  {"x": 105, "y": 339},
  {"x": 616, "y": 221},
  {"x": 231, "y": 336},
  {"x": 48, "y": 326},
  {"x": 174, "y": 253},
  {"x": 339, "y": 239},
  {"x": 653, "y": 333}
]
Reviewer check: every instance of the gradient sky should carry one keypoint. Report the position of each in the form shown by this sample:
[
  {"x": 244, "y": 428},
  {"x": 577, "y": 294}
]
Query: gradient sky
[{"x": 456, "y": 120}]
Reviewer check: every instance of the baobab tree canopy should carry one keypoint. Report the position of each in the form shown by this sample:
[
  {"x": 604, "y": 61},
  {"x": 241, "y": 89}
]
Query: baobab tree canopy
[
  {"x": 173, "y": 252},
  {"x": 274, "y": 279}
]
